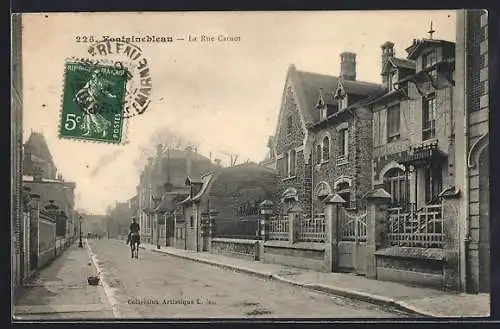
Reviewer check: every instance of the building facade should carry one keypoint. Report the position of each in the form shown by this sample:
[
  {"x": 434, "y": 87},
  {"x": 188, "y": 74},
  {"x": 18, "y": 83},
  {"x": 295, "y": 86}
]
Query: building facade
[
  {"x": 16, "y": 142},
  {"x": 323, "y": 138},
  {"x": 472, "y": 156}
]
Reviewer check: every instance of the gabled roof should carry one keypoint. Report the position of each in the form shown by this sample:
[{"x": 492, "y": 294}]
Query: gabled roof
[
  {"x": 399, "y": 63},
  {"x": 39, "y": 146},
  {"x": 418, "y": 45},
  {"x": 309, "y": 85},
  {"x": 193, "y": 180}
]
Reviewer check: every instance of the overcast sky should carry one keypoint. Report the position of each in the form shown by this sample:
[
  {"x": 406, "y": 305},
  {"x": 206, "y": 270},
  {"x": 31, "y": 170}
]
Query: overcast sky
[{"x": 226, "y": 96}]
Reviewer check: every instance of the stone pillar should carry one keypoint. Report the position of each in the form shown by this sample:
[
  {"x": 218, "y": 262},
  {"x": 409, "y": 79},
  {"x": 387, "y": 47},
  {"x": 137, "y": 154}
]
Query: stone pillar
[
  {"x": 266, "y": 211},
  {"x": 293, "y": 218},
  {"x": 205, "y": 231},
  {"x": 334, "y": 205},
  {"x": 174, "y": 227},
  {"x": 34, "y": 222},
  {"x": 376, "y": 221},
  {"x": 212, "y": 214},
  {"x": 451, "y": 239}
]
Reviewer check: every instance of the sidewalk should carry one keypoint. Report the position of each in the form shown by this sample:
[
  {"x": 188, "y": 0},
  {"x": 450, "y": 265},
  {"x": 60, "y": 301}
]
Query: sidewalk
[
  {"x": 422, "y": 301},
  {"x": 60, "y": 291}
]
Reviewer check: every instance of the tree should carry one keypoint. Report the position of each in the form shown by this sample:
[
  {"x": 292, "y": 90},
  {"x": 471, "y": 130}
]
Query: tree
[{"x": 167, "y": 139}]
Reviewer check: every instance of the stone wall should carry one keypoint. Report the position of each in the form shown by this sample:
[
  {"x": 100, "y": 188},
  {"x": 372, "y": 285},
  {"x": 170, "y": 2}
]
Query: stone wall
[
  {"x": 239, "y": 248},
  {"x": 300, "y": 254}
]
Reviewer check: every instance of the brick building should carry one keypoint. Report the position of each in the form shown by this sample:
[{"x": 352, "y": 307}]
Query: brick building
[
  {"x": 323, "y": 137},
  {"x": 472, "y": 154}
]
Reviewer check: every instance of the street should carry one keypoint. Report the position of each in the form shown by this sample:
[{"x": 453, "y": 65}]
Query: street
[{"x": 162, "y": 286}]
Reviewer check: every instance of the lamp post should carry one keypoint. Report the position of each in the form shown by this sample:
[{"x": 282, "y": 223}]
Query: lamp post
[{"x": 80, "y": 218}]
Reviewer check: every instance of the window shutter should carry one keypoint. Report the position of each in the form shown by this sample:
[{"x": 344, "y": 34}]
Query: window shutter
[{"x": 383, "y": 126}]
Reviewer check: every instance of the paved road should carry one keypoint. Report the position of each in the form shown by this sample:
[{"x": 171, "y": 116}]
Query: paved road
[{"x": 154, "y": 285}]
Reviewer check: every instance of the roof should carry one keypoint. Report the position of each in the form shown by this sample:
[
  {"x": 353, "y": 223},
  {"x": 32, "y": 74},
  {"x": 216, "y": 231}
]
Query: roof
[
  {"x": 309, "y": 85},
  {"x": 207, "y": 180},
  {"x": 39, "y": 146},
  {"x": 400, "y": 63},
  {"x": 418, "y": 45},
  {"x": 193, "y": 180},
  {"x": 360, "y": 88}
]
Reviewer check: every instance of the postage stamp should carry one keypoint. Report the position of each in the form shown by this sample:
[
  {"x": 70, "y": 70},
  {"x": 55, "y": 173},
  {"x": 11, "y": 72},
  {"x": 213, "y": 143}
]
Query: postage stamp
[
  {"x": 139, "y": 85},
  {"x": 93, "y": 100}
]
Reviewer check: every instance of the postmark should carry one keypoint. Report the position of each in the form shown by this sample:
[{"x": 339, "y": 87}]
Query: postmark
[
  {"x": 92, "y": 102},
  {"x": 139, "y": 86}
]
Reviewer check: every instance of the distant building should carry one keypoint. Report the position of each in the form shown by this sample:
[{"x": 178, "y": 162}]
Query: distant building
[
  {"x": 164, "y": 176},
  {"x": 40, "y": 175},
  {"x": 235, "y": 192}
]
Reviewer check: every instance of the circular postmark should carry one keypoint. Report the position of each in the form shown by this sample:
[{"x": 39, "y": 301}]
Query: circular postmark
[{"x": 131, "y": 58}]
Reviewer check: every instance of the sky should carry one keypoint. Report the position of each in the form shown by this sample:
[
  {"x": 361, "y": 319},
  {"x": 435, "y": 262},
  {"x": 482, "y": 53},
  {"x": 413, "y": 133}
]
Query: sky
[{"x": 225, "y": 96}]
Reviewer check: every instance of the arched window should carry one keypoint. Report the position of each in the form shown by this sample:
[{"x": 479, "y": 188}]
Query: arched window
[
  {"x": 344, "y": 190},
  {"x": 318, "y": 154},
  {"x": 396, "y": 185},
  {"x": 326, "y": 148}
]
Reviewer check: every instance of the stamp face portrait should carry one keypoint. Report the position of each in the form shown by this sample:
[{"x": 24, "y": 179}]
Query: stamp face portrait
[{"x": 93, "y": 100}]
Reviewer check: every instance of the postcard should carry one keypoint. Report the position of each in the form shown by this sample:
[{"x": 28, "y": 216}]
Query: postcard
[{"x": 250, "y": 165}]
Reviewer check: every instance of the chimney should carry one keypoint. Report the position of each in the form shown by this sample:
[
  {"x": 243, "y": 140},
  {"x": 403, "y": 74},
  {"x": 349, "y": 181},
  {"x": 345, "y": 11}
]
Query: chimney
[
  {"x": 37, "y": 174},
  {"x": 159, "y": 149},
  {"x": 387, "y": 52},
  {"x": 348, "y": 66}
]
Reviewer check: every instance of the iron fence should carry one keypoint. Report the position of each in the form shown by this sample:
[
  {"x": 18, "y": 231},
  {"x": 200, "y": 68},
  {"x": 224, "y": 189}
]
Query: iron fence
[
  {"x": 312, "y": 229},
  {"x": 278, "y": 228}
]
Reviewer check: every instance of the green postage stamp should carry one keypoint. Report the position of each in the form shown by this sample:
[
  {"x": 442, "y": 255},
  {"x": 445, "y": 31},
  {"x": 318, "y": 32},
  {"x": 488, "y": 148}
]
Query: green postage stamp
[{"x": 93, "y": 102}]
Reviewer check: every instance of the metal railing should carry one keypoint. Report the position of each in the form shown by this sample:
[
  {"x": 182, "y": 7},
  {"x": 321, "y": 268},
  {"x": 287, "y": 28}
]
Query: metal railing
[
  {"x": 278, "y": 228},
  {"x": 422, "y": 228},
  {"x": 353, "y": 226},
  {"x": 312, "y": 229}
]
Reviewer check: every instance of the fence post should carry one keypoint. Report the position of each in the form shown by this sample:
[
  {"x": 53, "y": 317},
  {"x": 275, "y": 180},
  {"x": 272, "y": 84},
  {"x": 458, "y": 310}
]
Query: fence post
[
  {"x": 333, "y": 206},
  {"x": 293, "y": 216},
  {"x": 376, "y": 227},
  {"x": 451, "y": 271},
  {"x": 266, "y": 211},
  {"x": 212, "y": 214}
]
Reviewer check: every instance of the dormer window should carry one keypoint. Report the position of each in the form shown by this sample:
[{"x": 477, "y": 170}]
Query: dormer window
[
  {"x": 391, "y": 79},
  {"x": 342, "y": 102},
  {"x": 289, "y": 124},
  {"x": 428, "y": 60}
]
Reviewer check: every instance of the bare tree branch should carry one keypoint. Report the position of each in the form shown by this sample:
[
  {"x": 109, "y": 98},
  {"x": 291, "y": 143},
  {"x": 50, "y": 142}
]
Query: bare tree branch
[{"x": 168, "y": 139}]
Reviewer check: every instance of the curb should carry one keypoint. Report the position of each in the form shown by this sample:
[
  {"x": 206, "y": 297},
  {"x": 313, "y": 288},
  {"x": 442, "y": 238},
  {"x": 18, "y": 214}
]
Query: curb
[{"x": 348, "y": 293}]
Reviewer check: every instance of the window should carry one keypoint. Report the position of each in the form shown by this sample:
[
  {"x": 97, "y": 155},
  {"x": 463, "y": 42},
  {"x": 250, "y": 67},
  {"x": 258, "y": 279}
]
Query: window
[
  {"x": 344, "y": 190},
  {"x": 428, "y": 60},
  {"x": 286, "y": 165},
  {"x": 326, "y": 148},
  {"x": 429, "y": 118},
  {"x": 395, "y": 184},
  {"x": 393, "y": 122},
  {"x": 289, "y": 124},
  {"x": 292, "y": 163},
  {"x": 342, "y": 102},
  {"x": 391, "y": 77},
  {"x": 318, "y": 154},
  {"x": 343, "y": 143},
  {"x": 433, "y": 183}
]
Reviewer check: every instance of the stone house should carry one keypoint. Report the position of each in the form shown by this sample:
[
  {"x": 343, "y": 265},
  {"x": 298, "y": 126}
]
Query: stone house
[
  {"x": 235, "y": 192},
  {"x": 323, "y": 138}
]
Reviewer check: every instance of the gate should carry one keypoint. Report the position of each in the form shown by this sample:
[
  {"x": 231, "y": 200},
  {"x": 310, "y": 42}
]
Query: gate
[{"x": 352, "y": 250}]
